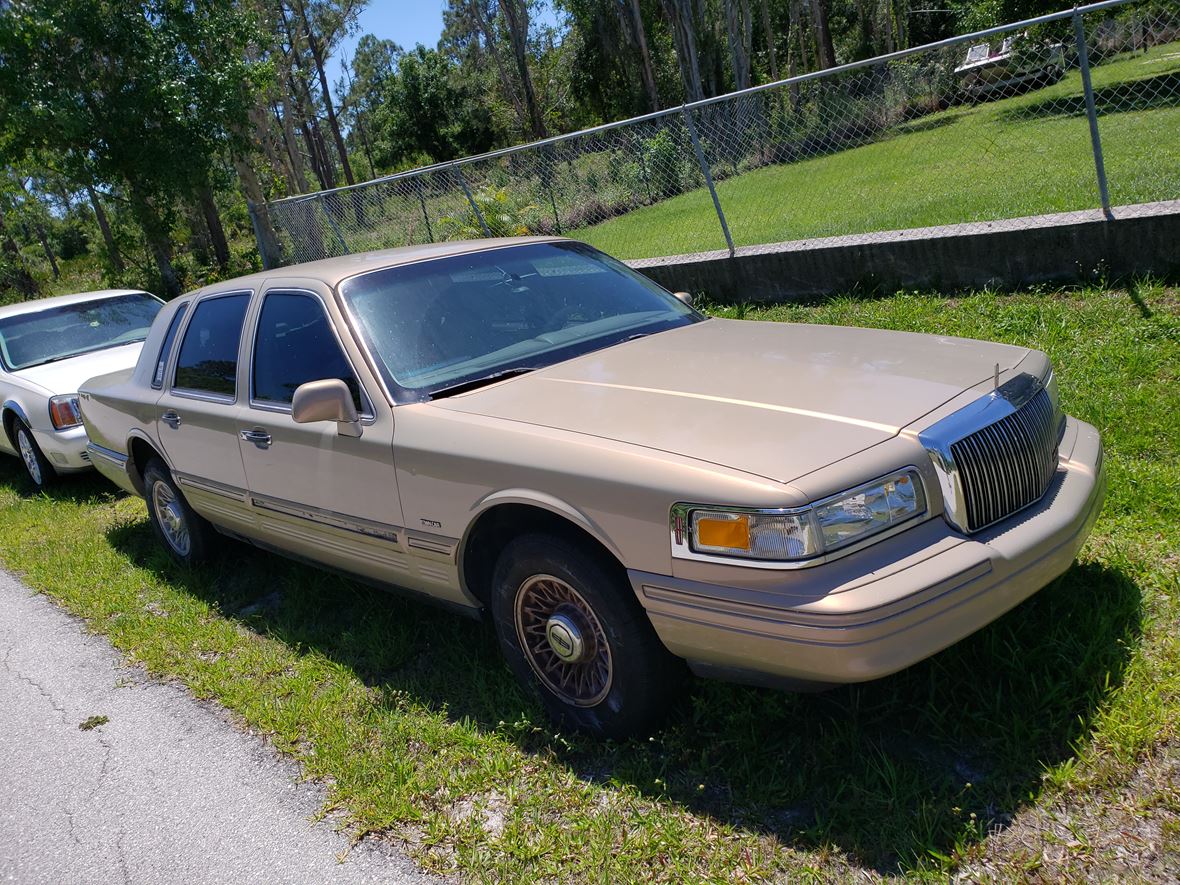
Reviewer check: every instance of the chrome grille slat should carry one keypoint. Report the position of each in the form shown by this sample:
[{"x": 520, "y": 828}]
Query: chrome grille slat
[{"x": 1006, "y": 465}]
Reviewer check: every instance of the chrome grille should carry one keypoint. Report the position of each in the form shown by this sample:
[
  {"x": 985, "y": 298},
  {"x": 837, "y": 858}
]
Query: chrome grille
[{"x": 1007, "y": 465}]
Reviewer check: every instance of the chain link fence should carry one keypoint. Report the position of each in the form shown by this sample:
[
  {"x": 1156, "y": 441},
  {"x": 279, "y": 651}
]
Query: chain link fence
[{"x": 1071, "y": 111}]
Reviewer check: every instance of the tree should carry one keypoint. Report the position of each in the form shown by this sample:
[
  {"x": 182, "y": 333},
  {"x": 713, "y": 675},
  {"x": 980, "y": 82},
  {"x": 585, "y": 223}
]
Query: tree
[
  {"x": 823, "y": 34},
  {"x": 144, "y": 97},
  {"x": 516, "y": 14},
  {"x": 324, "y": 22},
  {"x": 681, "y": 15},
  {"x": 639, "y": 35},
  {"x": 423, "y": 111},
  {"x": 739, "y": 27},
  {"x": 372, "y": 65}
]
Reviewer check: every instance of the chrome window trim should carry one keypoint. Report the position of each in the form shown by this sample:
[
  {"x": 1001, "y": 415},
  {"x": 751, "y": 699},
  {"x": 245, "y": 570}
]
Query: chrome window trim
[
  {"x": 368, "y": 413},
  {"x": 993, "y": 406},
  {"x": 170, "y": 374},
  {"x": 679, "y": 525}
]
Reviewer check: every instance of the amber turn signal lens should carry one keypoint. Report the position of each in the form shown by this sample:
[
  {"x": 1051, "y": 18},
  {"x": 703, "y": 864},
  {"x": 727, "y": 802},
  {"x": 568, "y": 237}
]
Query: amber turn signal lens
[
  {"x": 732, "y": 533},
  {"x": 64, "y": 412}
]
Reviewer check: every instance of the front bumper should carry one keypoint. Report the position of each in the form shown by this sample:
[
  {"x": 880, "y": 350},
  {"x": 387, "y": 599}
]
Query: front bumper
[
  {"x": 65, "y": 449},
  {"x": 892, "y": 615}
]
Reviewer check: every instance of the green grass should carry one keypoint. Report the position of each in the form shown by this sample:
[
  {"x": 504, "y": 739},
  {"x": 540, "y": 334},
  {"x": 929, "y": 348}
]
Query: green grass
[
  {"x": 1020, "y": 156},
  {"x": 415, "y": 726}
]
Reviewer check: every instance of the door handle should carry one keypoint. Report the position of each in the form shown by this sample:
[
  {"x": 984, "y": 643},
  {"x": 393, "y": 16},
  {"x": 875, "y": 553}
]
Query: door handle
[
  {"x": 171, "y": 419},
  {"x": 260, "y": 438}
]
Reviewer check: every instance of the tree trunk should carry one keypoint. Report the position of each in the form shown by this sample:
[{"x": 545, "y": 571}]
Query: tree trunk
[
  {"x": 47, "y": 249},
  {"x": 738, "y": 27},
  {"x": 268, "y": 243},
  {"x": 158, "y": 241},
  {"x": 489, "y": 38},
  {"x": 771, "y": 58},
  {"x": 213, "y": 222},
  {"x": 104, "y": 226},
  {"x": 298, "y": 177},
  {"x": 318, "y": 58},
  {"x": 320, "y": 161},
  {"x": 681, "y": 16},
  {"x": 649, "y": 76},
  {"x": 516, "y": 13},
  {"x": 823, "y": 34},
  {"x": 19, "y": 277}
]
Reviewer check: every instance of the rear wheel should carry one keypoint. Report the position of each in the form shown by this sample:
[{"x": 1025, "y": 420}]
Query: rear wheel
[
  {"x": 185, "y": 535},
  {"x": 573, "y": 632},
  {"x": 37, "y": 466}
]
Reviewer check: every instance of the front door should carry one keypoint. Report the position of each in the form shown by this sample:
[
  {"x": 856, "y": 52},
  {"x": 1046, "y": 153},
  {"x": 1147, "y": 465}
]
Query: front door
[
  {"x": 197, "y": 416},
  {"x": 315, "y": 492}
]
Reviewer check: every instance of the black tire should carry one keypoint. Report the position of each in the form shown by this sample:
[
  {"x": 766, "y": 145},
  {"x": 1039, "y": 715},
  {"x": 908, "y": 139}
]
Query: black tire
[
  {"x": 187, "y": 536},
  {"x": 37, "y": 467},
  {"x": 531, "y": 595}
]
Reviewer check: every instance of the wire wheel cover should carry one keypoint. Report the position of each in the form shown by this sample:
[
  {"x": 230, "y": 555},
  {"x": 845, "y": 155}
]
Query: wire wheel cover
[
  {"x": 563, "y": 640},
  {"x": 170, "y": 516}
]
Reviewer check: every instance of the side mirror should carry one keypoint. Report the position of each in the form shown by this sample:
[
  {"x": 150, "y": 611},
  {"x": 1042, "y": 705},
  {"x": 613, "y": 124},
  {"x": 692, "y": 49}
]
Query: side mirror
[
  {"x": 327, "y": 400},
  {"x": 686, "y": 297}
]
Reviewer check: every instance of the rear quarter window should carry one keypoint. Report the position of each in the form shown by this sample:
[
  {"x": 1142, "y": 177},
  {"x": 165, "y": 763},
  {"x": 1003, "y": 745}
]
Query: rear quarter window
[{"x": 166, "y": 347}]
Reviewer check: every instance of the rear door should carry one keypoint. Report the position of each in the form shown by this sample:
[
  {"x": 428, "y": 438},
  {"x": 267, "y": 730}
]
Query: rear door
[
  {"x": 317, "y": 493},
  {"x": 199, "y": 411}
]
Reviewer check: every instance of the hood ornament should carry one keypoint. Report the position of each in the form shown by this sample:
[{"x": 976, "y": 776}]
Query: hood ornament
[{"x": 996, "y": 377}]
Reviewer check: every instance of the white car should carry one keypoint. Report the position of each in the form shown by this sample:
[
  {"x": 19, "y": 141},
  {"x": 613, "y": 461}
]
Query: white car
[{"x": 48, "y": 348}]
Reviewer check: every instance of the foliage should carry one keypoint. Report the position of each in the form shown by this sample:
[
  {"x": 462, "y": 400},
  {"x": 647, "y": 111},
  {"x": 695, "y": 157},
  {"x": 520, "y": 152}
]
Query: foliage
[
  {"x": 423, "y": 110},
  {"x": 504, "y": 215},
  {"x": 144, "y": 96}
]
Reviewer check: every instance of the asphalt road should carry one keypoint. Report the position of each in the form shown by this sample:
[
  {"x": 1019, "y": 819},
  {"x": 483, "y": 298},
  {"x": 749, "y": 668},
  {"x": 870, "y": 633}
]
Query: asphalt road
[{"x": 167, "y": 790}]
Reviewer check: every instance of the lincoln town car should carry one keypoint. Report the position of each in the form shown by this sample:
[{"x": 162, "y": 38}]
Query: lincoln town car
[{"x": 629, "y": 489}]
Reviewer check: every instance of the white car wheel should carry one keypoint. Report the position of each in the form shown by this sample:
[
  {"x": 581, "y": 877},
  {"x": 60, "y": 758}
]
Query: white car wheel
[{"x": 35, "y": 464}]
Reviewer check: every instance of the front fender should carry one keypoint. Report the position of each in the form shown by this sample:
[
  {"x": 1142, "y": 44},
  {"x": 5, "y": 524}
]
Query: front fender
[
  {"x": 11, "y": 406},
  {"x": 544, "y": 501}
]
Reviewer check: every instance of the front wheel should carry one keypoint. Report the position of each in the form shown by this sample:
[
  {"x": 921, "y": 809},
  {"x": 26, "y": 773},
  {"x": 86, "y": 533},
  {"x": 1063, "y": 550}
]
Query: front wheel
[
  {"x": 37, "y": 466},
  {"x": 185, "y": 535},
  {"x": 573, "y": 632}
]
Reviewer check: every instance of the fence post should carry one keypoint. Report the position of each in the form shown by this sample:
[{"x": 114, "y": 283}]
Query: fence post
[
  {"x": 696, "y": 143},
  {"x": 470, "y": 199},
  {"x": 1079, "y": 31},
  {"x": 332, "y": 222}
]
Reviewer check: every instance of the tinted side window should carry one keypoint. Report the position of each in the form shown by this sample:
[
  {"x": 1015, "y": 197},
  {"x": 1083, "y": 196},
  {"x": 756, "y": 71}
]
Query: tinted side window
[
  {"x": 166, "y": 347},
  {"x": 208, "y": 359},
  {"x": 295, "y": 345}
]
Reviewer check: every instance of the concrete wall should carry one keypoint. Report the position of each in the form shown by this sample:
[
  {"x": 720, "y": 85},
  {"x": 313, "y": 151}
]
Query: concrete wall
[{"x": 1067, "y": 247}]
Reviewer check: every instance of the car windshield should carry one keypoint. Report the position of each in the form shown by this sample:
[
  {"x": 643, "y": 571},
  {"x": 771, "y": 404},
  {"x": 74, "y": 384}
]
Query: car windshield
[
  {"x": 58, "y": 333},
  {"x": 438, "y": 325}
]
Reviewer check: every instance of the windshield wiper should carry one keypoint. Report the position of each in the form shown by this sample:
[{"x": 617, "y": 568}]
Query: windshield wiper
[{"x": 474, "y": 383}]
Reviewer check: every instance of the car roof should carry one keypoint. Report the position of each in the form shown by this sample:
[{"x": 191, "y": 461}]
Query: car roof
[
  {"x": 332, "y": 270},
  {"x": 39, "y": 304}
]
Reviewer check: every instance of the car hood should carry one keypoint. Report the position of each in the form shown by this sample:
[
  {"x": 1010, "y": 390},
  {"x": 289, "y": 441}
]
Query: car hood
[
  {"x": 774, "y": 399},
  {"x": 66, "y": 376}
]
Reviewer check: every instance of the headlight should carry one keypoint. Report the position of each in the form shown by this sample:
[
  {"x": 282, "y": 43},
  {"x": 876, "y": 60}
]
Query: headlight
[
  {"x": 806, "y": 532},
  {"x": 64, "y": 412},
  {"x": 870, "y": 509}
]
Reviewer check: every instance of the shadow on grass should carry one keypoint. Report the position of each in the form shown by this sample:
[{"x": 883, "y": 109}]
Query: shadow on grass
[
  {"x": 1150, "y": 93},
  {"x": 888, "y": 771}
]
